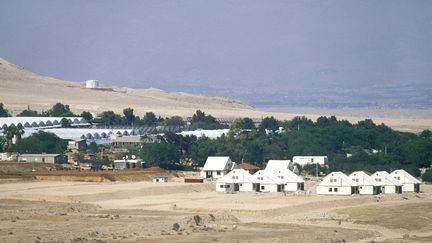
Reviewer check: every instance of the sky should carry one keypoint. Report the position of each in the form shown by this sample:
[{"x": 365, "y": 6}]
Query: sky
[{"x": 241, "y": 49}]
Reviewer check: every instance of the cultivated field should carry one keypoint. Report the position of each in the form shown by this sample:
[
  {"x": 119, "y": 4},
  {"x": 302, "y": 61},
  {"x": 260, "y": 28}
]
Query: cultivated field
[{"x": 177, "y": 212}]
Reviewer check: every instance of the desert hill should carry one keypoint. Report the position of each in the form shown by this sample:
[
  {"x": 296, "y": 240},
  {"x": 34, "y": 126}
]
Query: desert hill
[{"x": 20, "y": 88}]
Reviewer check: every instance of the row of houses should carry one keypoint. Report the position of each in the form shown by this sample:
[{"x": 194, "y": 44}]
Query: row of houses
[
  {"x": 359, "y": 182},
  {"x": 276, "y": 177},
  {"x": 217, "y": 167}
]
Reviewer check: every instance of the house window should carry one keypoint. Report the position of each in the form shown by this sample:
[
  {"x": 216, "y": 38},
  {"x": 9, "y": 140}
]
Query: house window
[
  {"x": 218, "y": 173},
  {"x": 221, "y": 186},
  {"x": 227, "y": 186},
  {"x": 262, "y": 187},
  {"x": 240, "y": 184},
  {"x": 335, "y": 190},
  {"x": 330, "y": 189}
]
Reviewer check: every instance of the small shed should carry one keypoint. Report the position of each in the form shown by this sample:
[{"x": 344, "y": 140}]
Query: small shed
[
  {"x": 387, "y": 182},
  {"x": 409, "y": 182},
  {"x": 160, "y": 179},
  {"x": 236, "y": 180},
  {"x": 337, "y": 183},
  {"x": 367, "y": 185}
]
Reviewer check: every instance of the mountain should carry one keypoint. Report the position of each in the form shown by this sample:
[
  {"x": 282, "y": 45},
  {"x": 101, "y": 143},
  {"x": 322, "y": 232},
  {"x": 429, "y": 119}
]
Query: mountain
[{"x": 20, "y": 88}]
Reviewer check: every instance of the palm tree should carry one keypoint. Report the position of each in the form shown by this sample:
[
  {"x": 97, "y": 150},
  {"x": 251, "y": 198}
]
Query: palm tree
[
  {"x": 19, "y": 132},
  {"x": 9, "y": 133}
]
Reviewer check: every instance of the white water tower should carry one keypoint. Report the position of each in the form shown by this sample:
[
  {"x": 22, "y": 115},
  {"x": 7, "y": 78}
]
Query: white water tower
[{"x": 92, "y": 84}]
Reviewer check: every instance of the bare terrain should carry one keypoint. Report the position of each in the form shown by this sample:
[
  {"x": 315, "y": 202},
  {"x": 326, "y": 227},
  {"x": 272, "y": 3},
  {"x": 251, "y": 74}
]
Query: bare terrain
[
  {"x": 20, "y": 88},
  {"x": 144, "y": 211}
]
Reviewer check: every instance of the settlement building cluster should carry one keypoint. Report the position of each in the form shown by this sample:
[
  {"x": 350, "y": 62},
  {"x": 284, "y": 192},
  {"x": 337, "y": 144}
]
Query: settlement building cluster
[{"x": 278, "y": 177}]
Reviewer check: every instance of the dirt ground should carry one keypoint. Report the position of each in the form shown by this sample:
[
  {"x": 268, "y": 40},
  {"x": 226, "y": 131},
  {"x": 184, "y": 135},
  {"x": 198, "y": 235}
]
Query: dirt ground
[{"x": 67, "y": 211}]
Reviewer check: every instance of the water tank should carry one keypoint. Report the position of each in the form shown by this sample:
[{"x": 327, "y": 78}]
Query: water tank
[{"x": 92, "y": 84}]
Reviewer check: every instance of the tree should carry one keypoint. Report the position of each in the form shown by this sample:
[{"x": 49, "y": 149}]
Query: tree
[
  {"x": 19, "y": 132},
  {"x": 203, "y": 121},
  {"x": 427, "y": 176},
  {"x": 110, "y": 118},
  {"x": 28, "y": 113},
  {"x": 9, "y": 133},
  {"x": 3, "y": 111},
  {"x": 87, "y": 115},
  {"x": 59, "y": 110},
  {"x": 41, "y": 142},
  {"x": 269, "y": 123},
  {"x": 174, "y": 121},
  {"x": 65, "y": 122},
  {"x": 159, "y": 154},
  {"x": 426, "y": 134},
  {"x": 149, "y": 119},
  {"x": 129, "y": 116}
]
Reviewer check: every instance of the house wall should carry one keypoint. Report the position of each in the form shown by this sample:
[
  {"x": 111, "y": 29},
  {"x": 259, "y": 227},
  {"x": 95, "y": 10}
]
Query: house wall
[
  {"x": 389, "y": 189},
  {"x": 268, "y": 187},
  {"x": 246, "y": 187},
  {"x": 291, "y": 187},
  {"x": 366, "y": 190},
  {"x": 408, "y": 187},
  {"x": 341, "y": 190},
  {"x": 224, "y": 187},
  {"x": 213, "y": 174}
]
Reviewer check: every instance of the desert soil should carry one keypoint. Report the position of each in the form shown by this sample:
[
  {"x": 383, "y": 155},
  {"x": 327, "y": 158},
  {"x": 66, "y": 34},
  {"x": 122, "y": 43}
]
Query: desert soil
[{"x": 144, "y": 211}]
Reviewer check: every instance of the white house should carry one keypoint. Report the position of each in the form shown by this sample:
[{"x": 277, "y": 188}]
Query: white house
[
  {"x": 267, "y": 181},
  {"x": 292, "y": 182},
  {"x": 366, "y": 184},
  {"x": 217, "y": 167},
  {"x": 273, "y": 165},
  {"x": 305, "y": 160},
  {"x": 236, "y": 180},
  {"x": 337, "y": 183},
  {"x": 409, "y": 182},
  {"x": 387, "y": 182}
]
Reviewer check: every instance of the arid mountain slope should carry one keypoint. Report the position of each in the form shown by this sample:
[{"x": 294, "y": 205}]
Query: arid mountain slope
[{"x": 20, "y": 88}]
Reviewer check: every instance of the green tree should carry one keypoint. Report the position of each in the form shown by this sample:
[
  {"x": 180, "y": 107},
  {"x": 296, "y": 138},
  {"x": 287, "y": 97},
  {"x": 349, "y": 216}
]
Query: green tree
[
  {"x": 427, "y": 176},
  {"x": 202, "y": 121},
  {"x": 28, "y": 113},
  {"x": 129, "y": 116},
  {"x": 65, "y": 122},
  {"x": 269, "y": 123},
  {"x": 110, "y": 118},
  {"x": 159, "y": 154},
  {"x": 87, "y": 115},
  {"x": 174, "y": 121},
  {"x": 41, "y": 142},
  {"x": 3, "y": 111},
  {"x": 59, "y": 110},
  {"x": 9, "y": 133},
  {"x": 149, "y": 119}
]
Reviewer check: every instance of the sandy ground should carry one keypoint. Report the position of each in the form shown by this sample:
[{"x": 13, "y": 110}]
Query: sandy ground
[
  {"x": 179, "y": 212},
  {"x": 20, "y": 88}
]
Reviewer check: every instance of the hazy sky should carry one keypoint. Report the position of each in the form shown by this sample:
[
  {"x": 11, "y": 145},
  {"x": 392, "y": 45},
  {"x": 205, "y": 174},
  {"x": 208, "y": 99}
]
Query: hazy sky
[{"x": 214, "y": 44}]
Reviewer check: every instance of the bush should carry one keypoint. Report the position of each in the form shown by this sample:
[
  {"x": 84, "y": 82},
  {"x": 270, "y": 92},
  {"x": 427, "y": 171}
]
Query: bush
[{"x": 427, "y": 176}]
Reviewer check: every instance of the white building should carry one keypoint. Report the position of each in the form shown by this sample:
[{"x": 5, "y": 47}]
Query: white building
[
  {"x": 273, "y": 165},
  {"x": 409, "y": 182},
  {"x": 236, "y": 180},
  {"x": 305, "y": 160},
  {"x": 92, "y": 84},
  {"x": 337, "y": 183},
  {"x": 387, "y": 182},
  {"x": 160, "y": 179},
  {"x": 217, "y": 167},
  {"x": 366, "y": 184},
  {"x": 292, "y": 182},
  {"x": 267, "y": 181}
]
